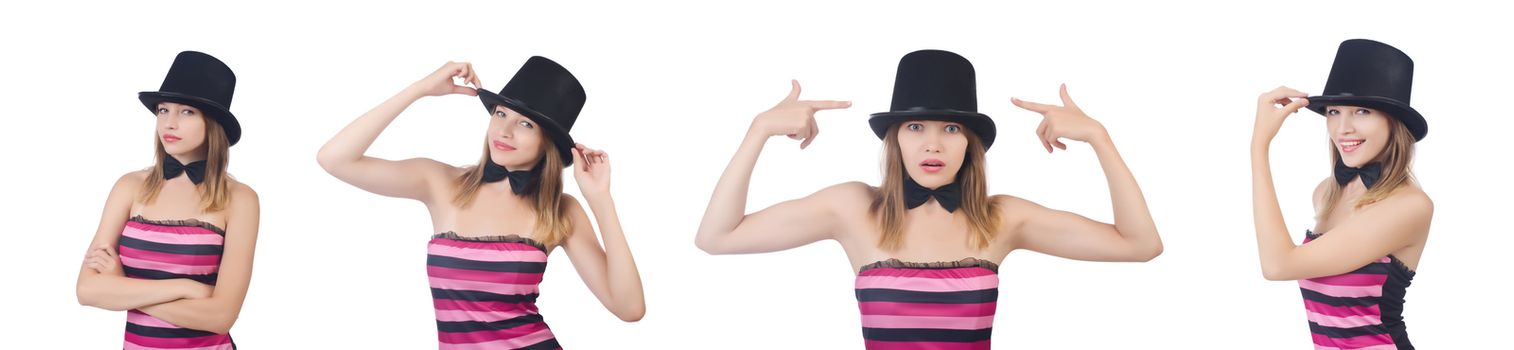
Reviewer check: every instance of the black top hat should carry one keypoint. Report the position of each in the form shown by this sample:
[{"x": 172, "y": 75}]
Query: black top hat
[
  {"x": 202, "y": 81},
  {"x": 548, "y": 94},
  {"x": 935, "y": 85},
  {"x": 1373, "y": 75}
]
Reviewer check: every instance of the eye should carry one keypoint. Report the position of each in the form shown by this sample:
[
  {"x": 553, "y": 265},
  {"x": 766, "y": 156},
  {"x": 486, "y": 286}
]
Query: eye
[
  {"x": 1363, "y": 111},
  {"x": 1332, "y": 112},
  {"x": 953, "y": 128},
  {"x": 527, "y": 124},
  {"x": 187, "y": 111},
  {"x": 500, "y": 114},
  {"x": 914, "y": 126},
  {"x": 162, "y": 111}
]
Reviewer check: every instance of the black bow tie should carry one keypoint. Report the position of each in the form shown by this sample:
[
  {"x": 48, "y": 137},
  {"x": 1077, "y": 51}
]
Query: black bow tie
[
  {"x": 172, "y": 168},
  {"x": 521, "y": 181},
  {"x": 949, "y": 196},
  {"x": 1369, "y": 173}
]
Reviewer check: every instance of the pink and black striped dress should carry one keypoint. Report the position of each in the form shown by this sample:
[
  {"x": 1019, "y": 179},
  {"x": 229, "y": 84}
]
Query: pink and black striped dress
[
  {"x": 484, "y": 290},
  {"x": 168, "y": 249},
  {"x": 931, "y": 306},
  {"x": 1361, "y": 309}
]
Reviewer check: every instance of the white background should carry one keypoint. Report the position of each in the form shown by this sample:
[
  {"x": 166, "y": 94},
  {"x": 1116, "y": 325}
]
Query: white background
[{"x": 672, "y": 88}]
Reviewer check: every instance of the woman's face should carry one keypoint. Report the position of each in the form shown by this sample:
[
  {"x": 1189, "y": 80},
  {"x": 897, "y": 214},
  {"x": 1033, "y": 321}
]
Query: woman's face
[
  {"x": 932, "y": 151},
  {"x": 515, "y": 141},
  {"x": 1358, "y": 133},
  {"x": 181, "y": 129}
]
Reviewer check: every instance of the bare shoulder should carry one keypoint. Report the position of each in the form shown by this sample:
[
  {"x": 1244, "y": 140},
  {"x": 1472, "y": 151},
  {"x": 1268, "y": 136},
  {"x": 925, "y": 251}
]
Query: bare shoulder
[
  {"x": 847, "y": 193},
  {"x": 1409, "y": 199},
  {"x": 132, "y": 180},
  {"x": 571, "y": 204},
  {"x": 242, "y": 195},
  {"x": 1013, "y": 210}
]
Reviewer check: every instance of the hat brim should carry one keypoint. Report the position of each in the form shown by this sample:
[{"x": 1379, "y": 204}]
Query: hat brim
[
  {"x": 214, "y": 109},
  {"x": 979, "y": 123},
  {"x": 1399, "y": 110},
  {"x": 557, "y": 132}
]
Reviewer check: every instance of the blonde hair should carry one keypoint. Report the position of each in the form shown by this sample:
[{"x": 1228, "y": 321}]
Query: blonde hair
[
  {"x": 888, "y": 201},
  {"x": 1396, "y": 158},
  {"x": 552, "y": 224},
  {"x": 214, "y": 189}
]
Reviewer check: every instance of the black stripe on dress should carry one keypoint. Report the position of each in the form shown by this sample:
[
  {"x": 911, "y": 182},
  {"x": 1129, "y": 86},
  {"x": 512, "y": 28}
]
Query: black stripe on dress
[
  {"x": 908, "y": 296},
  {"x": 927, "y": 334},
  {"x": 493, "y": 266}
]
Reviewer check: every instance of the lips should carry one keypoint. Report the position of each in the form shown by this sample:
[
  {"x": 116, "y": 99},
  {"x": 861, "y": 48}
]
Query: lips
[
  {"x": 503, "y": 146},
  {"x": 932, "y": 165},
  {"x": 1350, "y": 145},
  {"x": 171, "y": 138}
]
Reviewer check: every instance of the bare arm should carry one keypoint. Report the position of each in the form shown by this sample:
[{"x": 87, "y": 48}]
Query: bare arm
[
  {"x": 726, "y": 229},
  {"x": 1132, "y": 237},
  {"x": 102, "y": 283},
  {"x": 1372, "y": 233},
  {"x": 218, "y": 312},
  {"x": 609, "y": 270},
  {"x": 344, "y": 155}
]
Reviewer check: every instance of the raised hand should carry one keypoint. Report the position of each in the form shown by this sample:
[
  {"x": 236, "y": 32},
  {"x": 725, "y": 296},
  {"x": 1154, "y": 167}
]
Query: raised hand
[
  {"x": 1272, "y": 108},
  {"x": 451, "y": 78},
  {"x": 793, "y": 117},
  {"x": 1065, "y": 121},
  {"x": 591, "y": 169}
]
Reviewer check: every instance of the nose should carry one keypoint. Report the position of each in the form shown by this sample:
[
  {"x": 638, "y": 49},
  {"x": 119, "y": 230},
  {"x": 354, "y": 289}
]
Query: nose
[
  {"x": 1343, "y": 125},
  {"x": 932, "y": 143}
]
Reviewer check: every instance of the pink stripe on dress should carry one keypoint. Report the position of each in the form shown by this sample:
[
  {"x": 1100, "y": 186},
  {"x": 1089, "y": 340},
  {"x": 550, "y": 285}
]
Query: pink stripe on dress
[
  {"x": 1344, "y": 321},
  {"x": 446, "y": 315},
  {"x": 1328, "y": 310},
  {"x": 482, "y": 276},
  {"x": 127, "y": 260},
  {"x": 197, "y": 238},
  {"x": 927, "y": 284},
  {"x": 1352, "y": 279},
  {"x": 522, "y": 341},
  {"x": 219, "y": 341},
  {"x": 949, "y": 273},
  {"x": 1342, "y": 291},
  {"x": 938, "y": 322},
  {"x": 489, "y": 306},
  {"x": 185, "y": 259},
  {"x": 492, "y": 255},
  {"x": 918, "y": 309},
  {"x": 491, "y": 287}
]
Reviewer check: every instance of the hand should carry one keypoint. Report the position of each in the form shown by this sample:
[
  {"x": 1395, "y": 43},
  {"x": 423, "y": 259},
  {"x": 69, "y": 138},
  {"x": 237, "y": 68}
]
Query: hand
[
  {"x": 445, "y": 81},
  {"x": 793, "y": 117},
  {"x": 104, "y": 261},
  {"x": 1272, "y": 108},
  {"x": 193, "y": 289},
  {"x": 591, "y": 169},
  {"x": 1066, "y": 120}
]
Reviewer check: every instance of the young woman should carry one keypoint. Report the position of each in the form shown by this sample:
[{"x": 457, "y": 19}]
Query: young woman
[
  {"x": 926, "y": 243},
  {"x": 1375, "y": 214},
  {"x": 497, "y": 220},
  {"x": 175, "y": 242}
]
